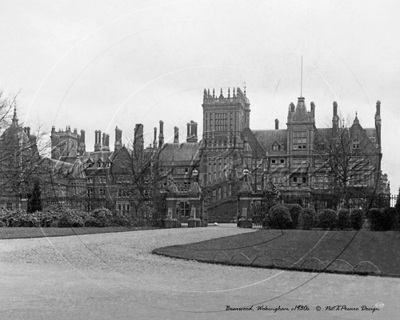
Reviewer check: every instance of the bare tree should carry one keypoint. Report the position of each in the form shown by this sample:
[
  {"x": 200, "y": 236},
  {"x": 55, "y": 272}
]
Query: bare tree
[
  {"x": 346, "y": 163},
  {"x": 20, "y": 155},
  {"x": 138, "y": 174}
]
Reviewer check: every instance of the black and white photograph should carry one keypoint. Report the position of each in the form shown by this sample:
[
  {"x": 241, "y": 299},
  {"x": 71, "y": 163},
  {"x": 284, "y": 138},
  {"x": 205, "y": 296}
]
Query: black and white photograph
[{"x": 198, "y": 159}]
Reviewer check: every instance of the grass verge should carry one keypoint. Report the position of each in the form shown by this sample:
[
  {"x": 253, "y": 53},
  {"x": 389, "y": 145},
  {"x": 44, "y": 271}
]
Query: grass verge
[
  {"x": 348, "y": 252},
  {"x": 17, "y": 233}
]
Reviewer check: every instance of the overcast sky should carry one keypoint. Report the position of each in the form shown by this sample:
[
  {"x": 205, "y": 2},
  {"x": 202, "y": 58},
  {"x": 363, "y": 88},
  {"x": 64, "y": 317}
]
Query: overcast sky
[{"x": 95, "y": 65}]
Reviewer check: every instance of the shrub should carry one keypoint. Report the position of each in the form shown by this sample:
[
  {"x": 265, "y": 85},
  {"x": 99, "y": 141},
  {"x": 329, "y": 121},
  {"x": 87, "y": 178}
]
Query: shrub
[
  {"x": 376, "y": 219},
  {"x": 265, "y": 223},
  {"x": 91, "y": 222},
  {"x": 327, "y": 219},
  {"x": 343, "y": 220},
  {"x": 46, "y": 219},
  {"x": 389, "y": 219},
  {"x": 54, "y": 224},
  {"x": 120, "y": 220},
  {"x": 103, "y": 216},
  {"x": 295, "y": 211},
  {"x": 307, "y": 218},
  {"x": 2, "y": 224},
  {"x": 28, "y": 220},
  {"x": 279, "y": 217},
  {"x": 356, "y": 219},
  {"x": 397, "y": 207},
  {"x": 71, "y": 218}
]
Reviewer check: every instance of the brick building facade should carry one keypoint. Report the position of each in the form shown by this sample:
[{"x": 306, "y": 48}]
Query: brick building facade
[{"x": 293, "y": 158}]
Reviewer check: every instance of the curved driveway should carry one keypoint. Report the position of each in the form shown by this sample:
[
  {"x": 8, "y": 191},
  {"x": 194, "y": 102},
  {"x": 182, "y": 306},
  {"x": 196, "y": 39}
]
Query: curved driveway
[{"x": 115, "y": 276}]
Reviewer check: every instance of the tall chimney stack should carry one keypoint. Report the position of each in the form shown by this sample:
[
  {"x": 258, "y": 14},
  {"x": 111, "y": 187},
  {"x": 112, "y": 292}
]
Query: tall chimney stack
[
  {"x": 97, "y": 143},
  {"x": 176, "y": 135},
  {"x": 105, "y": 142},
  {"x": 191, "y": 131},
  {"x": 276, "y": 124},
  {"x": 82, "y": 144},
  {"x": 335, "y": 119},
  {"x": 155, "y": 138},
  {"x": 161, "y": 135},
  {"x": 118, "y": 139}
]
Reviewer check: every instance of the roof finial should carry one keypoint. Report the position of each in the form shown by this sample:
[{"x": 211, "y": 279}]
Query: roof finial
[
  {"x": 15, "y": 119},
  {"x": 244, "y": 89}
]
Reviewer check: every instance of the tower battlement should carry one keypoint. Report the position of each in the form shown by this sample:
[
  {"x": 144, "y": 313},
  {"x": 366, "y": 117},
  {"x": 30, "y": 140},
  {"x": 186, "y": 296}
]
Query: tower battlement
[{"x": 232, "y": 97}]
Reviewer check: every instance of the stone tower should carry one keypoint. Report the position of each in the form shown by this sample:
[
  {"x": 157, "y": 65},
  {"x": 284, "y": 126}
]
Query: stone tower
[
  {"x": 67, "y": 143},
  {"x": 224, "y": 118}
]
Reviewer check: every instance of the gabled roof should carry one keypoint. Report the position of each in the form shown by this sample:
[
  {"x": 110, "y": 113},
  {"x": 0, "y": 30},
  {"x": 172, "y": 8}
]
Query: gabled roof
[
  {"x": 77, "y": 170},
  {"x": 267, "y": 138},
  {"x": 96, "y": 155}
]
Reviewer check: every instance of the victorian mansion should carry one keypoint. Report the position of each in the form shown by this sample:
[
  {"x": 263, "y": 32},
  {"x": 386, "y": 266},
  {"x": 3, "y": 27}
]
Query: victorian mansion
[{"x": 292, "y": 158}]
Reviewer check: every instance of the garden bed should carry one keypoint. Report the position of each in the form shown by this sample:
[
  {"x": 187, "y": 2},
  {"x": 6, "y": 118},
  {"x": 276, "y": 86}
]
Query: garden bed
[
  {"x": 16, "y": 233},
  {"x": 350, "y": 252}
]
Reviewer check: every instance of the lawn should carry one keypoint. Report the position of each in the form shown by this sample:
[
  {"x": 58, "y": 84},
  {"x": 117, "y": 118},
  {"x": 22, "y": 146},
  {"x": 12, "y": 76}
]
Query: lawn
[
  {"x": 16, "y": 233},
  {"x": 363, "y": 252}
]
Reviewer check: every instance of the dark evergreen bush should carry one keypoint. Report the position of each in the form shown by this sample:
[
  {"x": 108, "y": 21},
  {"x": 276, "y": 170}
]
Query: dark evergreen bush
[
  {"x": 356, "y": 219},
  {"x": 327, "y": 219},
  {"x": 397, "y": 207},
  {"x": 389, "y": 219},
  {"x": 343, "y": 221},
  {"x": 279, "y": 217},
  {"x": 265, "y": 223},
  {"x": 295, "y": 211},
  {"x": 307, "y": 218},
  {"x": 35, "y": 199},
  {"x": 376, "y": 218}
]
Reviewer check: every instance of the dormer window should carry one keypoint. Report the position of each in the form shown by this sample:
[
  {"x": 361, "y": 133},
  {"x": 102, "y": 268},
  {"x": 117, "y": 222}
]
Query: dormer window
[
  {"x": 356, "y": 144},
  {"x": 276, "y": 147}
]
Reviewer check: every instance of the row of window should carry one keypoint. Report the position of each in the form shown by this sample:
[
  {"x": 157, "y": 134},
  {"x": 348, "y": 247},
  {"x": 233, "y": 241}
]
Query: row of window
[
  {"x": 124, "y": 208},
  {"x": 103, "y": 179},
  {"x": 219, "y": 121},
  {"x": 218, "y": 168},
  {"x": 221, "y": 193}
]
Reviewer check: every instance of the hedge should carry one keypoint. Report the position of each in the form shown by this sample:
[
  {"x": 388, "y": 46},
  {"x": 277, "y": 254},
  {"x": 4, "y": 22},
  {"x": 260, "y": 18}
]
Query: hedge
[
  {"x": 327, "y": 219},
  {"x": 54, "y": 216},
  {"x": 356, "y": 219},
  {"x": 343, "y": 219},
  {"x": 376, "y": 219},
  {"x": 295, "y": 211},
  {"x": 279, "y": 217},
  {"x": 306, "y": 219}
]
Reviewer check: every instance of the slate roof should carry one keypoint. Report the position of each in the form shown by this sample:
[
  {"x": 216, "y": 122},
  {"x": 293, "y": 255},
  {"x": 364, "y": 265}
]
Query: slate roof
[
  {"x": 95, "y": 155},
  {"x": 371, "y": 134},
  {"x": 267, "y": 138},
  {"x": 180, "y": 152}
]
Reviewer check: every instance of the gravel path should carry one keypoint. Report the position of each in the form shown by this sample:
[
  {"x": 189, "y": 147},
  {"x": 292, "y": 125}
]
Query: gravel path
[{"x": 115, "y": 276}]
